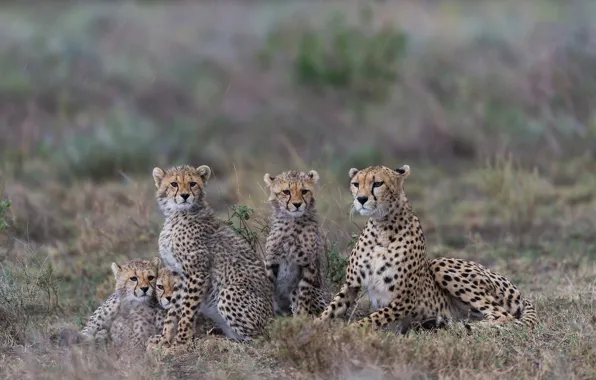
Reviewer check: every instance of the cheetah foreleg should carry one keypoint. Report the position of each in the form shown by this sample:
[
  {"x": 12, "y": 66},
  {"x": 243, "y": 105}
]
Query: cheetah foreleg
[
  {"x": 396, "y": 311},
  {"x": 340, "y": 303},
  {"x": 194, "y": 290},
  {"x": 305, "y": 290},
  {"x": 102, "y": 317}
]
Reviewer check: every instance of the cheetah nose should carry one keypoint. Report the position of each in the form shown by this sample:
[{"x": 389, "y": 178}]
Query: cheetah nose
[
  {"x": 169, "y": 298},
  {"x": 362, "y": 200},
  {"x": 297, "y": 205},
  {"x": 185, "y": 196},
  {"x": 144, "y": 289}
]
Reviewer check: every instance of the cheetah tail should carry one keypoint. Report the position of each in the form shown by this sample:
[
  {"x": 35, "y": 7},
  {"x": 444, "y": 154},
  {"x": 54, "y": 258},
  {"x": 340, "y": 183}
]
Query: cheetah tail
[{"x": 528, "y": 315}]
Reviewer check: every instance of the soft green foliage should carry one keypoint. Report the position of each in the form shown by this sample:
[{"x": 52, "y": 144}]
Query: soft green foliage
[
  {"x": 336, "y": 272},
  {"x": 4, "y": 206},
  {"x": 359, "y": 60},
  {"x": 338, "y": 262},
  {"x": 251, "y": 227}
]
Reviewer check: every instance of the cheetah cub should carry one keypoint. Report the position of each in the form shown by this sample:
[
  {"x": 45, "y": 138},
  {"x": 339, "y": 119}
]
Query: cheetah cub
[
  {"x": 389, "y": 262},
  {"x": 221, "y": 276},
  {"x": 128, "y": 314},
  {"x": 295, "y": 259},
  {"x": 164, "y": 291}
]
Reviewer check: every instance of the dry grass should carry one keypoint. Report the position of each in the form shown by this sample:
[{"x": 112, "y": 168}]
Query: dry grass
[{"x": 494, "y": 114}]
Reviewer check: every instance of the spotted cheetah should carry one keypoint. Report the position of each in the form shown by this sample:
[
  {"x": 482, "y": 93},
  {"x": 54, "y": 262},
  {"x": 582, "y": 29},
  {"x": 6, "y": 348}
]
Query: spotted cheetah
[
  {"x": 294, "y": 255},
  {"x": 221, "y": 276},
  {"x": 390, "y": 263},
  {"x": 135, "y": 281},
  {"x": 164, "y": 291}
]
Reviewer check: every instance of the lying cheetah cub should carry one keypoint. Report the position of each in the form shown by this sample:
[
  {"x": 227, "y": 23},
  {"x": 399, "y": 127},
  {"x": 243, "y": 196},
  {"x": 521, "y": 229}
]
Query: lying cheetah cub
[
  {"x": 389, "y": 262},
  {"x": 133, "y": 299},
  {"x": 164, "y": 291},
  {"x": 221, "y": 276},
  {"x": 294, "y": 255}
]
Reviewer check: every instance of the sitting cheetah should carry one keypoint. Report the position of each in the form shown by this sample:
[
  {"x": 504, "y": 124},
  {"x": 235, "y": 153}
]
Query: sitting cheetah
[
  {"x": 135, "y": 281},
  {"x": 294, "y": 256},
  {"x": 390, "y": 263},
  {"x": 221, "y": 276}
]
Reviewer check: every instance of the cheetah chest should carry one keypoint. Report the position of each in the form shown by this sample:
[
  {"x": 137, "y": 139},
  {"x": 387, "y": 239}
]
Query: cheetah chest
[
  {"x": 288, "y": 274},
  {"x": 379, "y": 276},
  {"x": 166, "y": 251}
]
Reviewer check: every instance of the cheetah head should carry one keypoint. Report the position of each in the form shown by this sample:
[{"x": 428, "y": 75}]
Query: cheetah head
[
  {"x": 164, "y": 287},
  {"x": 181, "y": 188},
  {"x": 292, "y": 192},
  {"x": 376, "y": 188},
  {"x": 135, "y": 279}
]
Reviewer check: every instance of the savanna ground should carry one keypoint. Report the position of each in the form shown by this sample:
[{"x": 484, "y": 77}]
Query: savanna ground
[{"x": 491, "y": 104}]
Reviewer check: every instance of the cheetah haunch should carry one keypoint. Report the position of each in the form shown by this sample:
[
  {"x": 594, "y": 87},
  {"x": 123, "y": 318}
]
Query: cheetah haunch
[
  {"x": 294, "y": 255},
  {"x": 221, "y": 276},
  {"x": 389, "y": 262}
]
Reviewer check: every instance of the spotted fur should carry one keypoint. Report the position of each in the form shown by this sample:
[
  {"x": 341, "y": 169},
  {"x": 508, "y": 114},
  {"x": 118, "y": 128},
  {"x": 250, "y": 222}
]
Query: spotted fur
[
  {"x": 294, "y": 255},
  {"x": 135, "y": 283},
  {"x": 164, "y": 291},
  {"x": 389, "y": 262},
  {"x": 221, "y": 276}
]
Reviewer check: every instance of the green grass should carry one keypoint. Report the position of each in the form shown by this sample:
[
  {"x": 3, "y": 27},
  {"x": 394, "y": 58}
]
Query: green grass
[{"x": 491, "y": 105}]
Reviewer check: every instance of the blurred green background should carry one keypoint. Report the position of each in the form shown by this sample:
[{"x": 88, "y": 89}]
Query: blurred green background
[
  {"x": 491, "y": 103},
  {"x": 98, "y": 88}
]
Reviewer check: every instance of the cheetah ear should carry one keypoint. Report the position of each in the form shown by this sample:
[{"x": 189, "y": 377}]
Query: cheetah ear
[
  {"x": 205, "y": 172},
  {"x": 404, "y": 171},
  {"x": 116, "y": 269},
  {"x": 156, "y": 261},
  {"x": 268, "y": 178},
  {"x": 353, "y": 172},
  {"x": 158, "y": 175},
  {"x": 314, "y": 175}
]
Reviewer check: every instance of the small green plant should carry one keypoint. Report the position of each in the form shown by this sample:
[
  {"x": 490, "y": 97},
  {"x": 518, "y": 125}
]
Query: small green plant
[
  {"x": 238, "y": 220},
  {"x": 4, "y": 206},
  {"x": 336, "y": 272},
  {"x": 353, "y": 240}
]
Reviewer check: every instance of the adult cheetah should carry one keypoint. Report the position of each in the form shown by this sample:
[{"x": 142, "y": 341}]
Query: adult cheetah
[
  {"x": 390, "y": 263},
  {"x": 221, "y": 276},
  {"x": 294, "y": 255},
  {"x": 133, "y": 298}
]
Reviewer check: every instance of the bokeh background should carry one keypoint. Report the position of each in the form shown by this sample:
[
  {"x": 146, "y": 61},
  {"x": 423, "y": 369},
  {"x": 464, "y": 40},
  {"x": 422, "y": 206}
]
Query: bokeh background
[{"x": 492, "y": 104}]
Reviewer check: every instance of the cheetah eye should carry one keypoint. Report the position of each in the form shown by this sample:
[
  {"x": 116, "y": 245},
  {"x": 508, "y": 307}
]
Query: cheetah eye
[
  {"x": 150, "y": 278},
  {"x": 355, "y": 184},
  {"x": 377, "y": 184},
  {"x": 174, "y": 184},
  {"x": 133, "y": 278},
  {"x": 192, "y": 184},
  {"x": 286, "y": 192},
  {"x": 304, "y": 191},
  {"x": 160, "y": 287}
]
